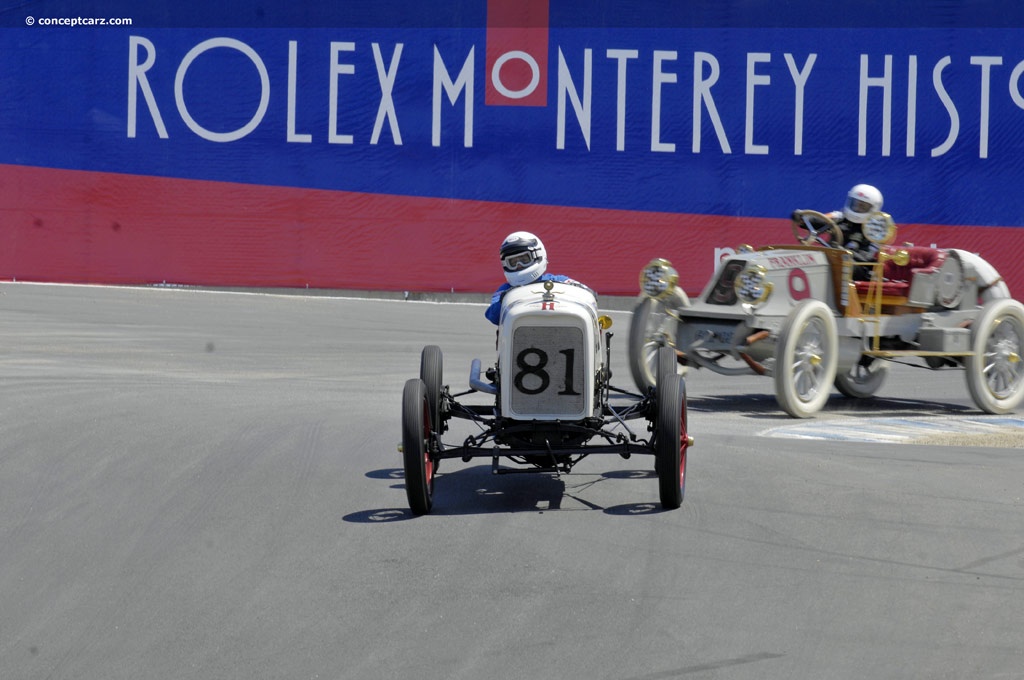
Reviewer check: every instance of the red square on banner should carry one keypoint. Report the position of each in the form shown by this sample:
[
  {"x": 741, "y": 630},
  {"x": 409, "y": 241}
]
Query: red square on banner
[{"x": 517, "y": 53}]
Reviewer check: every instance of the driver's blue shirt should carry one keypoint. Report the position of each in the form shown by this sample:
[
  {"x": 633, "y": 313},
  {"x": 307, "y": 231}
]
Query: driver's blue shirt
[{"x": 493, "y": 312}]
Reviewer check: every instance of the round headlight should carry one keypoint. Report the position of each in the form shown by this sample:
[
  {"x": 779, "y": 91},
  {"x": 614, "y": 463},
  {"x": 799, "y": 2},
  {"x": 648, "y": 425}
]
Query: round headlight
[
  {"x": 880, "y": 229},
  {"x": 658, "y": 279},
  {"x": 751, "y": 286}
]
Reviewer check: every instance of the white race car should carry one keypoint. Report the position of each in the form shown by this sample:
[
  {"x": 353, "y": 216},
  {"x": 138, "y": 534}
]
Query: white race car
[
  {"x": 798, "y": 313},
  {"x": 549, "y": 401}
]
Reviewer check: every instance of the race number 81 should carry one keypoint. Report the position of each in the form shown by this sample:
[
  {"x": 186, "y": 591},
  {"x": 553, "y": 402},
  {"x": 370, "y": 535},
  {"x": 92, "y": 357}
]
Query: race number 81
[
  {"x": 533, "y": 362},
  {"x": 547, "y": 373}
]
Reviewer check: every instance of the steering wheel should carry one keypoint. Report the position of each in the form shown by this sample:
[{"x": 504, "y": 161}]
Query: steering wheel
[{"x": 815, "y": 234}]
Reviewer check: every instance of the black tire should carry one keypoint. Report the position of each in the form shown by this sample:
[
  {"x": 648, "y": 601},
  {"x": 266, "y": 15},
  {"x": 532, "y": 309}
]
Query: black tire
[
  {"x": 431, "y": 373},
  {"x": 667, "y": 363},
  {"x": 416, "y": 434},
  {"x": 671, "y": 441}
]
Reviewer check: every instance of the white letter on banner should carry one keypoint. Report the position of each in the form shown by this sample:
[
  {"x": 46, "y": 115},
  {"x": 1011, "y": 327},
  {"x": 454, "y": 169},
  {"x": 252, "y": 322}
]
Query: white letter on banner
[
  {"x": 620, "y": 95},
  {"x": 293, "y": 58},
  {"x": 336, "y": 70},
  {"x": 1015, "y": 94},
  {"x": 387, "y": 104},
  {"x": 800, "y": 81},
  {"x": 179, "y": 89},
  {"x": 954, "y": 117},
  {"x": 566, "y": 87},
  {"x": 531, "y": 64},
  {"x": 137, "y": 79},
  {"x": 753, "y": 80},
  {"x": 660, "y": 78},
  {"x": 986, "y": 72},
  {"x": 452, "y": 89},
  {"x": 721, "y": 255},
  {"x": 702, "y": 93},
  {"x": 911, "y": 105},
  {"x": 885, "y": 82}
]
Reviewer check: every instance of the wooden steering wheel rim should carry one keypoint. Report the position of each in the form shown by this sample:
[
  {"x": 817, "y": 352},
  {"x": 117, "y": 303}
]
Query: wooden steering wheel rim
[{"x": 813, "y": 237}]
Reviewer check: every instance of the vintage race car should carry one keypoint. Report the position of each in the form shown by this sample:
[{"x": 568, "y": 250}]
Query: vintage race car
[
  {"x": 799, "y": 314},
  {"x": 548, "y": 398}
]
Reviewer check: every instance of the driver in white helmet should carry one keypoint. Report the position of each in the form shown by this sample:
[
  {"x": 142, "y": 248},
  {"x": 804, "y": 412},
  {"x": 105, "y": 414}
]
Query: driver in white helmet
[
  {"x": 524, "y": 260},
  {"x": 862, "y": 203}
]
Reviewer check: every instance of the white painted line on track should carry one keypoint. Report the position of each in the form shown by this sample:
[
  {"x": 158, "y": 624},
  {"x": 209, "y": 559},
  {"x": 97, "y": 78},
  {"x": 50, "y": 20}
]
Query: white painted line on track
[
  {"x": 896, "y": 429},
  {"x": 305, "y": 293}
]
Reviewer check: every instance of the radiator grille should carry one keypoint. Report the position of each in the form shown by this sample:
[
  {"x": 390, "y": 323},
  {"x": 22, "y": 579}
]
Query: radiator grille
[{"x": 547, "y": 372}]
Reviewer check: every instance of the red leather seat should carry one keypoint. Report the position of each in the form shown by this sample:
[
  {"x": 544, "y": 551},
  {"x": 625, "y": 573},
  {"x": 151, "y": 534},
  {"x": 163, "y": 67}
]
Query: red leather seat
[
  {"x": 922, "y": 259},
  {"x": 889, "y": 288}
]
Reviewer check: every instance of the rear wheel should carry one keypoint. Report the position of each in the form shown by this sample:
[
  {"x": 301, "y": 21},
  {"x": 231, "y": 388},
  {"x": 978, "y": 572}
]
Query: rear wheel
[
  {"x": 431, "y": 363},
  {"x": 995, "y": 372},
  {"x": 667, "y": 363},
  {"x": 862, "y": 380},
  {"x": 416, "y": 435},
  {"x": 672, "y": 440}
]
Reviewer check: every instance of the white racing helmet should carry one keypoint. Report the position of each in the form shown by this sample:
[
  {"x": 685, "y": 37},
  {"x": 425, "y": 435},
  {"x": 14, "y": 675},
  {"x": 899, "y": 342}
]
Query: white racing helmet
[
  {"x": 862, "y": 202},
  {"x": 523, "y": 258}
]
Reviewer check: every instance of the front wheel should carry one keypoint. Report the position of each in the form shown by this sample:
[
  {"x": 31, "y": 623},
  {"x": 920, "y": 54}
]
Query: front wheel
[
  {"x": 672, "y": 440},
  {"x": 995, "y": 373},
  {"x": 805, "y": 359},
  {"x": 651, "y": 328},
  {"x": 416, "y": 434}
]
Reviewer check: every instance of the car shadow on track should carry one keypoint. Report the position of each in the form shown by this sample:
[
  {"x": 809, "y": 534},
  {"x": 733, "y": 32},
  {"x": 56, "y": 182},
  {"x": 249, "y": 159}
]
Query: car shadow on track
[
  {"x": 765, "y": 407},
  {"x": 476, "y": 490}
]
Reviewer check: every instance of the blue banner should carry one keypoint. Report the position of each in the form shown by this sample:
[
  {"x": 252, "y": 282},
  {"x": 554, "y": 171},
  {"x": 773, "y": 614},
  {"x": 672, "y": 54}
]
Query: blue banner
[{"x": 700, "y": 119}]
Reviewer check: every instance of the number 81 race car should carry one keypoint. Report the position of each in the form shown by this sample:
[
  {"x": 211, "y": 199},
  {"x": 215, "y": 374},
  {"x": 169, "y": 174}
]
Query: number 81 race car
[
  {"x": 549, "y": 397},
  {"x": 799, "y": 314}
]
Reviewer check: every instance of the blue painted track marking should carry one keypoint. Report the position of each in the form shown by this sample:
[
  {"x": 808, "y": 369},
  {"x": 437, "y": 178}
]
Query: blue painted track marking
[{"x": 894, "y": 430}]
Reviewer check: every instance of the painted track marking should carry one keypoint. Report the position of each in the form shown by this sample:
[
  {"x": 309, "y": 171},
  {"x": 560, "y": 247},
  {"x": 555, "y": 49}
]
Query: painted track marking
[{"x": 897, "y": 429}]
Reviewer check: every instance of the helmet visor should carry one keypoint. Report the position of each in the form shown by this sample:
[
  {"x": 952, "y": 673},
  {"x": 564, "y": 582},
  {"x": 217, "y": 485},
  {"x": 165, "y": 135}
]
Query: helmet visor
[
  {"x": 517, "y": 261},
  {"x": 860, "y": 207}
]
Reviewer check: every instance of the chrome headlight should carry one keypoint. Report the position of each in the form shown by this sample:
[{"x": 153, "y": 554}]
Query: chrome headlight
[
  {"x": 658, "y": 279},
  {"x": 880, "y": 229},
  {"x": 751, "y": 286}
]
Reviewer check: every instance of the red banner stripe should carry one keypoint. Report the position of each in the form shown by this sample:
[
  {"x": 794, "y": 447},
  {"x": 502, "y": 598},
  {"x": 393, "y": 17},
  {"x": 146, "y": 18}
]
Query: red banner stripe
[
  {"x": 73, "y": 226},
  {"x": 517, "y": 53}
]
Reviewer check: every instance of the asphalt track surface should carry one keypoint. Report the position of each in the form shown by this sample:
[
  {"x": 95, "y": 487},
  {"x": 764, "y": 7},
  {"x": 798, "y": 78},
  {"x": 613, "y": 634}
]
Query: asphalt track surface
[{"x": 198, "y": 485}]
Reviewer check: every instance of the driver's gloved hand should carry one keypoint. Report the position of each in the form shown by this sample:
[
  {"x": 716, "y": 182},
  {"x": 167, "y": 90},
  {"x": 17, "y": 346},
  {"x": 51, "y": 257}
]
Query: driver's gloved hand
[{"x": 799, "y": 217}]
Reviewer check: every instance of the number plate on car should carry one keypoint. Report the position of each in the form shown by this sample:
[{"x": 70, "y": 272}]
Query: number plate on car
[{"x": 547, "y": 372}]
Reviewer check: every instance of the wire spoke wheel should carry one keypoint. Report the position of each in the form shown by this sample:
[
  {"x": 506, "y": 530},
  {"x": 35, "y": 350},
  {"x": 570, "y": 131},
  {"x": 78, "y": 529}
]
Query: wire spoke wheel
[
  {"x": 995, "y": 372},
  {"x": 805, "y": 359},
  {"x": 651, "y": 328},
  {"x": 863, "y": 380}
]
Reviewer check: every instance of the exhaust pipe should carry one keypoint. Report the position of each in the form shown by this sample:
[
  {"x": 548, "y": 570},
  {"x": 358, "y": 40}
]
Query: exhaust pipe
[{"x": 476, "y": 383}]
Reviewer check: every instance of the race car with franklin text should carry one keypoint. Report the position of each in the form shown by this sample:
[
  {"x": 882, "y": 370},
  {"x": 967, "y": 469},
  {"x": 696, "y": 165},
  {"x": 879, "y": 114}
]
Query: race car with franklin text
[{"x": 805, "y": 316}]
